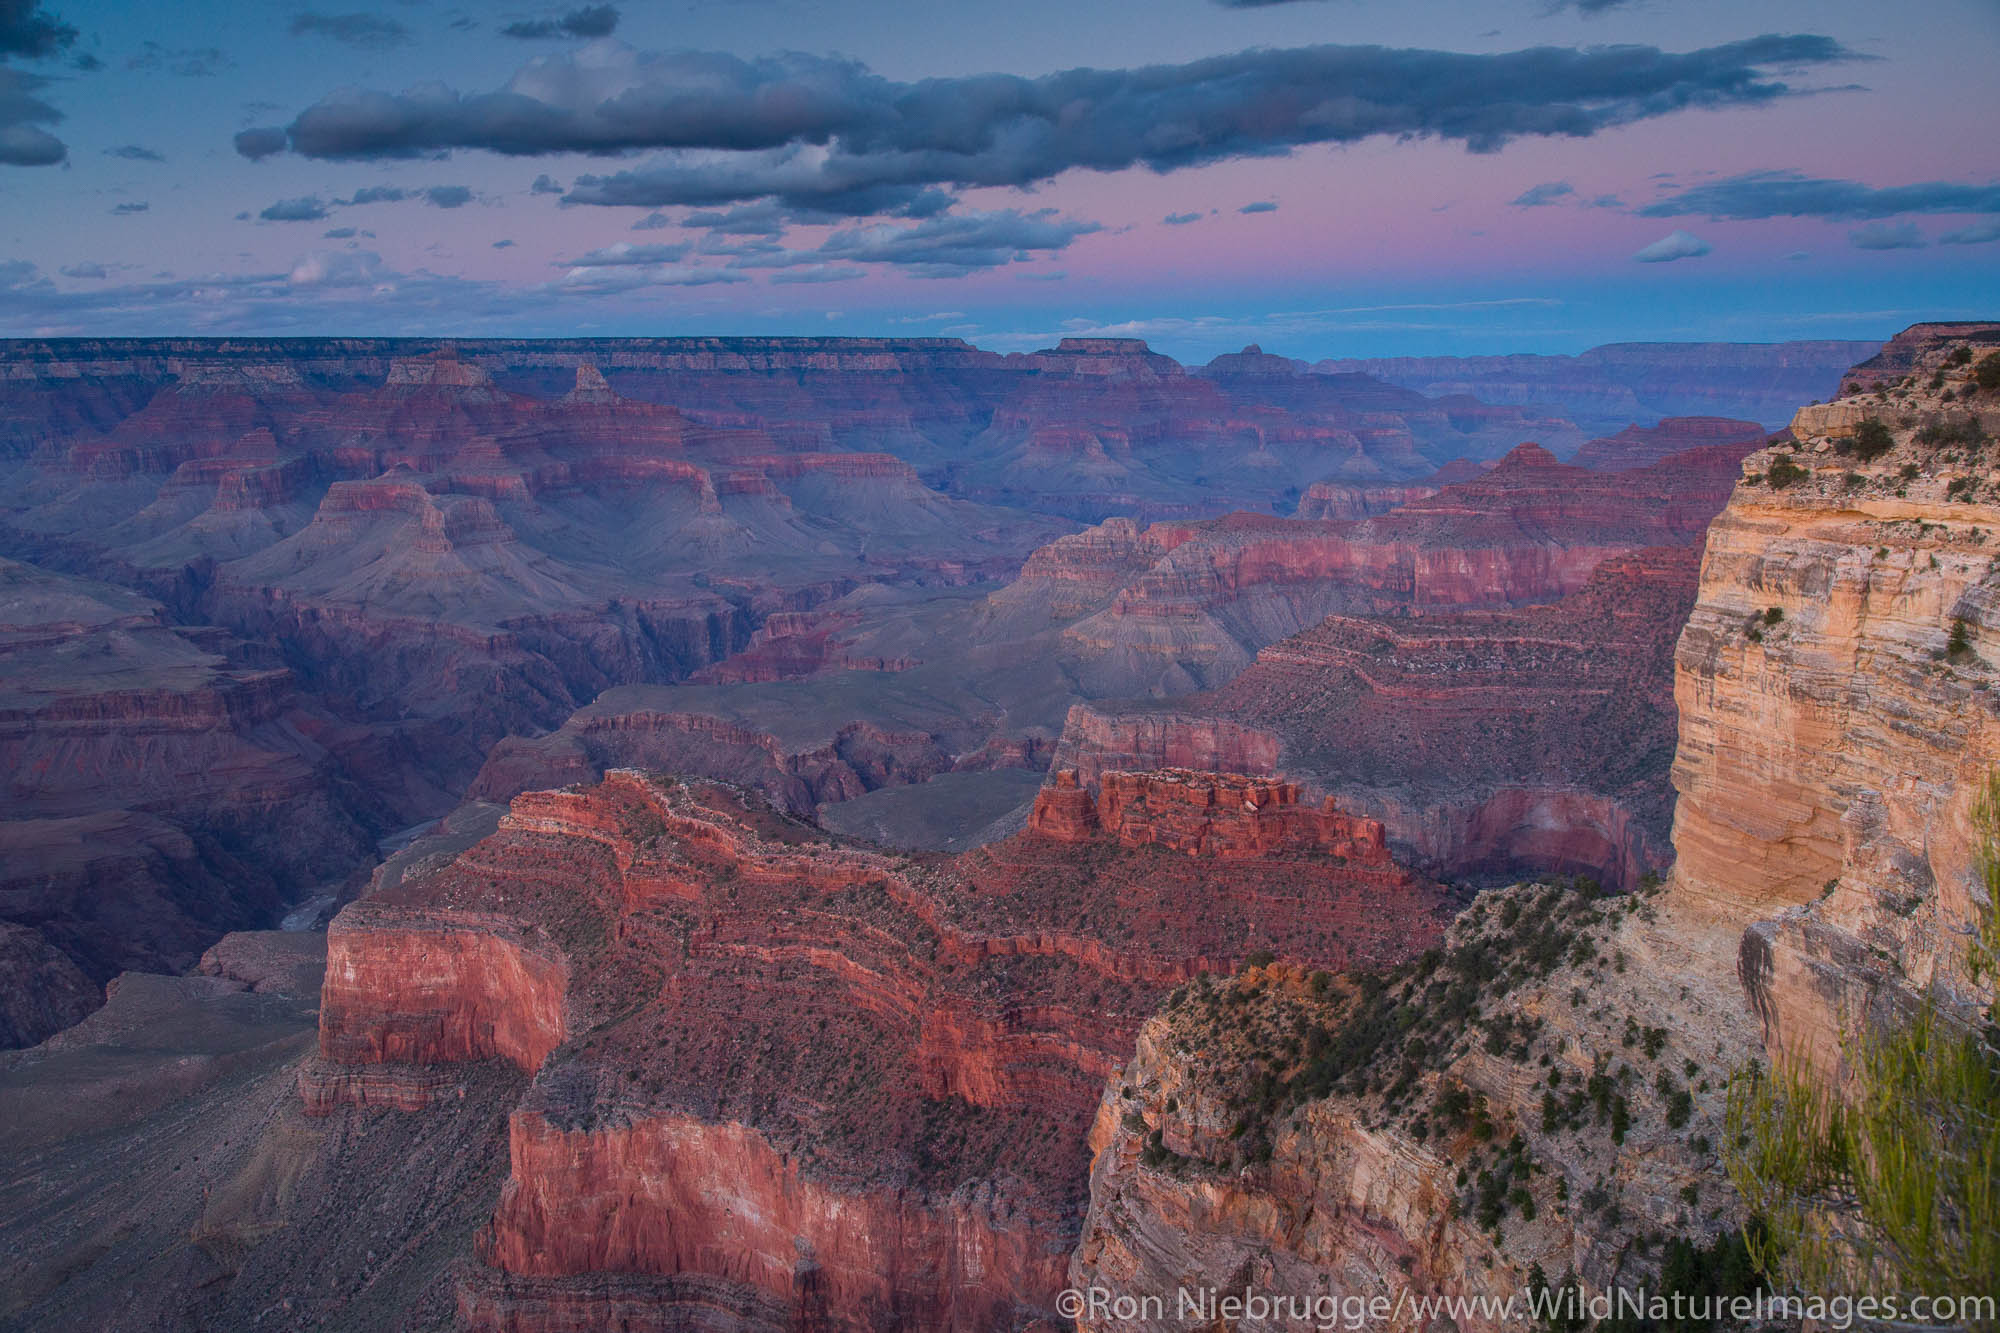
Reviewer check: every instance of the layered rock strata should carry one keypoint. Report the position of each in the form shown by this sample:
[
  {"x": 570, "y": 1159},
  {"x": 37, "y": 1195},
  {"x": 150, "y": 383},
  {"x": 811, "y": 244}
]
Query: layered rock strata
[
  {"x": 783, "y": 1079},
  {"x": 1485, "y": 741},
  {"x": 1207, "y": 597},
  {"x": 1838, "y": 692}
]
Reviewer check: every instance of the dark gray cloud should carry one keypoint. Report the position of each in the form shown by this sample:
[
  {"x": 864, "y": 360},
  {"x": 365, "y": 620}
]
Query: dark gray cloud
[
  {"x": 1536, "y": 196},
  {"x": 309, "y": 208},
  {"x": 1887, "y": 236},
  {"x": 190, "y": 62},
  {"x": 438, "y": 196},
  {"x": 817, "y": 132},
  {"x": 1674, "y": 245},
  {"x": 545, "y": 184},
  {"x": 23, "y": 143},
  {"x": 623, "y": 255},
  {"x": 87, "y": 269},
  {"x": 31, "y": 32},
  {"x": 747, "y": 220},
  {"x": 653, "y": 222},
  {"x": 128, "y": 209},
  {"x": 1979, "y": 233},
  {"x": 1180, "y": 219},
  {"x": 1787, "y": 194},
  {"x": 132, "y": 152},
  {"x": 1261, "y": 206},
  {"x": 338, "y": 233},
  {"x": 589, "y": 21},
  {"x": 370, "y": 32},
  {"x": 506, "y": 243},
  {"x": 260, "y": 143}
]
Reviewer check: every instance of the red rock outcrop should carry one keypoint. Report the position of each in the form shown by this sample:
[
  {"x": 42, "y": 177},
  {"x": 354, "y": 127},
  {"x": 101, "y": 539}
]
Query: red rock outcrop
[
  {"x": 790, "y": 1080},
  {"x": 1486, "y": 741},
  {"x": 1204, "y": 814}
]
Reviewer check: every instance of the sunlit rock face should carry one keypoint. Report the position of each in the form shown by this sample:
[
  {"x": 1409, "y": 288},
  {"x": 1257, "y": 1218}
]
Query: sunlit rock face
[{"x": 1836, "y": 690}]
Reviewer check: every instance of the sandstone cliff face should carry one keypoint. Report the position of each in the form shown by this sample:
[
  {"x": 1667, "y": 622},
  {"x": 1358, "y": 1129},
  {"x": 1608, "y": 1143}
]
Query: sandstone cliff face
[
  {"x": 1835, "y": 732},
  {"x": 1204, "y": 814},
  {"x": 654, "y": 952}
]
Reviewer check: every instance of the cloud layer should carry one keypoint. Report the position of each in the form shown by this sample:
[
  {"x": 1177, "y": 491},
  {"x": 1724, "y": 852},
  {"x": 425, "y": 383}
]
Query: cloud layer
[
  {"x": 27, "y": 30},
  {"x": 370, "y": 32},
  {"x": 829, "y": 134},
  {"x": 589, "y": 21},
  {"x": 23, "y": 141},
  {"x": 1788, "y": 194}
]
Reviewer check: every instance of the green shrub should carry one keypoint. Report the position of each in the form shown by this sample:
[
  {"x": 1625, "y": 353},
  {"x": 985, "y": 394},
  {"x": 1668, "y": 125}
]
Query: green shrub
[
  {"x": 1987, "y": 373},
  {"x": 1959, "y": 645},
  {"x": 1783, "y": 472},
  {"x": 1871, "y": 440}
]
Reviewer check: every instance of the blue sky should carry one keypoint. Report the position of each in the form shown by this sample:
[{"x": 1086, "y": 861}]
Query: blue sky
[{"x": 1323, "y": 177}]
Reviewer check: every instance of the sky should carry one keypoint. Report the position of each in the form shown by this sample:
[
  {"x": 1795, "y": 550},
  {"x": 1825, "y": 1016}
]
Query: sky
[{"x": 1320, "y": 177}]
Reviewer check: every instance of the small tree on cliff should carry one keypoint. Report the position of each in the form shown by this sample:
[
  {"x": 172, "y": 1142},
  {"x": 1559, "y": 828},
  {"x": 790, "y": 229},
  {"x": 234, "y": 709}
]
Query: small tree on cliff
[
  {"x": 1987, "y": 373},
  {"x": 1891, "y": 1183}
]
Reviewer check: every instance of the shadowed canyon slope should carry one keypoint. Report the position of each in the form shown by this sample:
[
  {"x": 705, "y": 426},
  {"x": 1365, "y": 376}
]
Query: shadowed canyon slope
[{"x": 164, "y": 785}]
